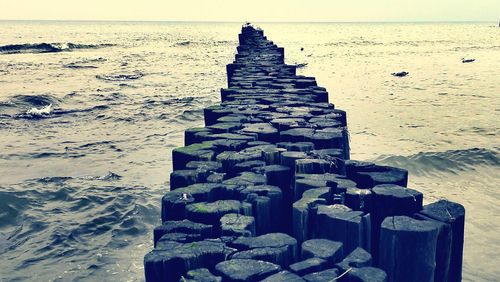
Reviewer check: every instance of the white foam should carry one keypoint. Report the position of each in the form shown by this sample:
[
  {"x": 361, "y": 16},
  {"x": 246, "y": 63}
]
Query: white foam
[{"x": 40, "y": 112}]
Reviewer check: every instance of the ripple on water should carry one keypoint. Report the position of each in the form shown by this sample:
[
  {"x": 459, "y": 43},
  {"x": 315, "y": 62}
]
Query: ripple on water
[
  {"x": 120, "y": 76},
  {"x": 438, "y": 163},
  {"x": 72, "y": 217}
]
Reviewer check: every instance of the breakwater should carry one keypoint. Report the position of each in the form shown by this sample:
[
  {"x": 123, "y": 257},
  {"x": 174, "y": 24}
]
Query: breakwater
[{"x": 266, "y": 190}]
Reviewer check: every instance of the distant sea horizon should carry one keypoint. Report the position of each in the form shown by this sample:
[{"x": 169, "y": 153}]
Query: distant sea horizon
[{"x": 255, "y": 22}]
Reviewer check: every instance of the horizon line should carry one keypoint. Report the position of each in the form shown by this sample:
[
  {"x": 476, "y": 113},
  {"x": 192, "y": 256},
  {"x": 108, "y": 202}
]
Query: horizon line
[{"x": 262, "y": 21}]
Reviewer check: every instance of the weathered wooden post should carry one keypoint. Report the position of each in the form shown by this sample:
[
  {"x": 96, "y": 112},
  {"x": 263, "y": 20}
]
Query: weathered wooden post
[{"x": 266, "y": 191}]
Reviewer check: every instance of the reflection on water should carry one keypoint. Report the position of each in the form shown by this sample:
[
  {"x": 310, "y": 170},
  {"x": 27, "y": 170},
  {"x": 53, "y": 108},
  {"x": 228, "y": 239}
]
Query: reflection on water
[{"x": 87, "y": 127}]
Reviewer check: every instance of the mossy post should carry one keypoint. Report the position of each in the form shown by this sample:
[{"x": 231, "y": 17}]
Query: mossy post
[{"x": 266, "y": 191}]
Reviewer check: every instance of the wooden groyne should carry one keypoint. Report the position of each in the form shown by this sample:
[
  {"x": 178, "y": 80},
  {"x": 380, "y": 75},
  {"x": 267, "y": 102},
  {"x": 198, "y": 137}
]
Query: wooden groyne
[{"x": 266, "y": 191}]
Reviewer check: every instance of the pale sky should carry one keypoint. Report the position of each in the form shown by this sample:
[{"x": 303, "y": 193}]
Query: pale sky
[{"x": 252, "y": 10}]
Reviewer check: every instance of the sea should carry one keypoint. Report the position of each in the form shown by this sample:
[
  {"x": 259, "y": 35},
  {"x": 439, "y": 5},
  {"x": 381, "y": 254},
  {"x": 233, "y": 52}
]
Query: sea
[{"x": 90, "y": 111}]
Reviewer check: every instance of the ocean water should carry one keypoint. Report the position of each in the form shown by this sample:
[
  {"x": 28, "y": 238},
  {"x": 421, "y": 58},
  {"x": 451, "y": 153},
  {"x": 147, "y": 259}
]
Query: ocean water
[{"x": 90, "y": 111}]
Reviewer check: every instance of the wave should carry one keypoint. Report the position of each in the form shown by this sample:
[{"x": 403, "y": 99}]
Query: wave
[
  {"x": 85, "y": 64},
  {"x": 356, "y": 42},
  {"x": 40, "y": 112},
  {"x": 120, "y": 76},
  {"x": 475, "y": 47},
  {"x": 182, "y": 43},
  {"x": 301, "y": 65},
  {"x": 451, "y": 161},
  {"x": 53, "y": 179},
  {"x": 53, "y": 218},
  {"x": 204, "y": 42},
  {"x": 75, "y": 66},
  {"x": 47, "y": 47},
  {"x": 48, "y": 112},
  {"x": 40, "y": 100},
  {"x": 83, "y": 110},
  {"x": 69, "y": 152},
  {"x": 12, "y": 207},
  {"x": 185, "y": 101},
  {"x": 189, "y": 115},
  {"x": 29, "y": 106},
  {"x": 111, "y": 176}
]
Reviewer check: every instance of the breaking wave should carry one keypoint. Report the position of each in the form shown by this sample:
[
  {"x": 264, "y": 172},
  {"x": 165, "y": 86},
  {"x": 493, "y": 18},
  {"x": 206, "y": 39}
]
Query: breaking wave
[
  {"x": 40, "y": 112},
  {"x": 47, "y": 47},
  {"x": 40, "y": 106}
]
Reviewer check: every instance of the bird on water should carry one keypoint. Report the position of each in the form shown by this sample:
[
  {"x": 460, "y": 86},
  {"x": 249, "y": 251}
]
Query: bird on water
[
  {"x": 400, "y": 74},
  {"x": 467, "y": 60}
]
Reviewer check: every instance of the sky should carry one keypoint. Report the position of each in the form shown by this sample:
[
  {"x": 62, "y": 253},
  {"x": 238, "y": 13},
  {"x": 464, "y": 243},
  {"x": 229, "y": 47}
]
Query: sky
[{"x": 252, "y": 10}]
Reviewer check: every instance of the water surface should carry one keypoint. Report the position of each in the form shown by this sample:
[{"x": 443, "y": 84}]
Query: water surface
[{"x": 88, "y": 121}]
